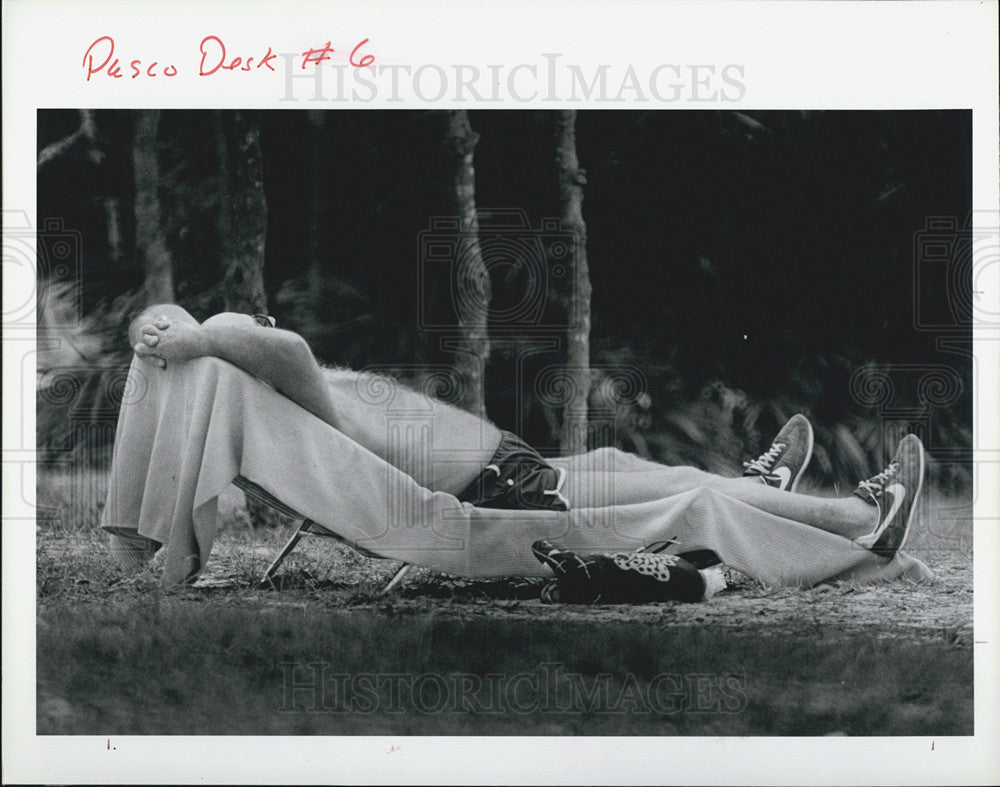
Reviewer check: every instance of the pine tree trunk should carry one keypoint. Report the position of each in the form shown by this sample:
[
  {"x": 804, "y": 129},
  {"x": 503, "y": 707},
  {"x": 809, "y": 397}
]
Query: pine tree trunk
[
  {"x": 243, "y": 216},
  {"x": 473, "y": 284},
  {"x": 318, "y": 215},
  {"x": 243, "y": 228},
  {"x": 117, "y": 225},
  {"x": 151, "y": 247},
  {"x": 573, "y": 439}
]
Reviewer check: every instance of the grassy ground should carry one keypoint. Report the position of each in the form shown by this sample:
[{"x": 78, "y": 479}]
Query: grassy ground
[{"x": 325, "y": 654}]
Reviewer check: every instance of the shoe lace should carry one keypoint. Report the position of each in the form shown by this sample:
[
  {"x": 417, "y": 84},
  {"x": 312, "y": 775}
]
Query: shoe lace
[
  {"x": 876, "y": 483},
  {"x": 763, "y": 463}
]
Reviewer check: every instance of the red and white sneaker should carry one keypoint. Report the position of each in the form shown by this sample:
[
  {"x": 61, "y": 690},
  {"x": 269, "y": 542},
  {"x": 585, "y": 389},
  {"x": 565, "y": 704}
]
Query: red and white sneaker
[
  {"x": 783, "y": 464},
  {"x": 894, "y": 492}
]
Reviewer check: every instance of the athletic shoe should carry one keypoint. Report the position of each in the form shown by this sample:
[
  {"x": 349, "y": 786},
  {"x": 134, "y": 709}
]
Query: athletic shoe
[
  {"x": 564, "y": 564},
  {"x": 576, "y": 578},
  {"x": 550, "y": 593},
  {"x": 624, "y": 577},
  {"x": 894, "y": 492},
  {"x": 783, "y": 464}
]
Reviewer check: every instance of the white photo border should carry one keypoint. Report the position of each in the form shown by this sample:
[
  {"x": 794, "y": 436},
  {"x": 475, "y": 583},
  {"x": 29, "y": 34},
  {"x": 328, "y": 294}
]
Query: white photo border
[{"x": 792, "y": 55}]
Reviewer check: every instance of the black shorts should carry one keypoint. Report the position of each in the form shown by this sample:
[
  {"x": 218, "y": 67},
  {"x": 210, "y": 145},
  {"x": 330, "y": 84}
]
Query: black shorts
[{"x": 517, "y": 478}]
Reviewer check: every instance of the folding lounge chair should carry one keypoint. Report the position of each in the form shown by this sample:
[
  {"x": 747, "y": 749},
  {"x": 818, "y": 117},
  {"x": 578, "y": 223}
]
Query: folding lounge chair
[{"x": 307, "y": 527}]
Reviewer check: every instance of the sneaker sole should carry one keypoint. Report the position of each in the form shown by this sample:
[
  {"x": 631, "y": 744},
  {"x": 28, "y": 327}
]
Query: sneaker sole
[
  {"x": 913, "y": 508},
  {"x": 809, "y": 453}
]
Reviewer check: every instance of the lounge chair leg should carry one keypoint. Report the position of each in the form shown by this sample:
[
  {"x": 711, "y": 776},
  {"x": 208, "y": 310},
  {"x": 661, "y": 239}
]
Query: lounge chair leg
[
  {"x": 300, "y": 531},
  {"x": 398, "y": 577}
]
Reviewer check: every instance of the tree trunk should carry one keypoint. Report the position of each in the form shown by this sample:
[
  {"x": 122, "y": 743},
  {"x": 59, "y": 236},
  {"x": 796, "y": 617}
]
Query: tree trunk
[
  {"x": 243, "y": 228},
  {"x": 472, "y": 293},
  {"x": 84, "y": 146},
  {"x": 243, "y": 215},
  {"x": 86, "y": 135},
  {"x": 151, "y": 247},
  {"x": 573, "y": 439},
  {"x": 318, "y": 216}
]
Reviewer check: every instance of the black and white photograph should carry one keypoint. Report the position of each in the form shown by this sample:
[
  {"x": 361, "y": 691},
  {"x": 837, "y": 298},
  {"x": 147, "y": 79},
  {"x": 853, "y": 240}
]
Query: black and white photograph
[{"x": 580, "y": 416}]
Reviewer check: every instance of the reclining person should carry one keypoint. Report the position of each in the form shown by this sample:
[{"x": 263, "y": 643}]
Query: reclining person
[{"x": 489, "y": 468}]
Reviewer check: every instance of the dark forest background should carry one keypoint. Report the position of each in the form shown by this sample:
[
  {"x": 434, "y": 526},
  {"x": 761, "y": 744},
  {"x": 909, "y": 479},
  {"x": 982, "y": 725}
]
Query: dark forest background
[{"x": 742, "y": 266}]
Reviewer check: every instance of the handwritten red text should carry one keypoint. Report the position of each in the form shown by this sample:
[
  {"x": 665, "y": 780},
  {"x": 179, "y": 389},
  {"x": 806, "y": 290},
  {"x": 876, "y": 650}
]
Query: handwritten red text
[
  {"x": 213, "y": 51},
  {"x": 100, "y": 59},
  {"x": 111, "y": 66}
]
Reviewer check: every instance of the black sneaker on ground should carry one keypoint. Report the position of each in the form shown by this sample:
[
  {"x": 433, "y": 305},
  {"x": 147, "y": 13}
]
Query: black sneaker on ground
[
  {"x": 894, "y": 492},
  {"x": 783, "y": 464},
  {"x": 623, "y": 577},
  {"x": 576, "y": 577}
]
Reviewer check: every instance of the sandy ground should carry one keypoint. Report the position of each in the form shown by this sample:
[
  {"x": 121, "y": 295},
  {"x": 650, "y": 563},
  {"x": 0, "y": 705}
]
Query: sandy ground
[
  {"x": 906, "y": 647},
  {"x": 324, "y": 573},
  {"x": 321, "y": 572}
]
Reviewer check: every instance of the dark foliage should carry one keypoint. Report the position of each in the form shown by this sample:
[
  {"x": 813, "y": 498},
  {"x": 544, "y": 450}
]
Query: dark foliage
[{"x": 745, "y": 266}]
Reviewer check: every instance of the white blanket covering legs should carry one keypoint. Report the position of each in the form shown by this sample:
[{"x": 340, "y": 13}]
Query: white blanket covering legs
[{"x": 187, "y": 431}]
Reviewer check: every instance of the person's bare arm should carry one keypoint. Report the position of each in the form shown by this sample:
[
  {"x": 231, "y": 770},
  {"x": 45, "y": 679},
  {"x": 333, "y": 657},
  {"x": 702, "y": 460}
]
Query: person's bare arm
[{"x": 282, "y": 359}]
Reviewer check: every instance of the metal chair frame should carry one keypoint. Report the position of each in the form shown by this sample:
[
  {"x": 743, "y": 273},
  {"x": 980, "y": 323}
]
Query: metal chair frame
[{"x": 307, "y": 527}]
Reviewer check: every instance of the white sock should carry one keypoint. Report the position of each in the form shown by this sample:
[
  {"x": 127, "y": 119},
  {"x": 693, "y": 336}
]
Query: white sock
[{"x": 715, "y": 580}]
